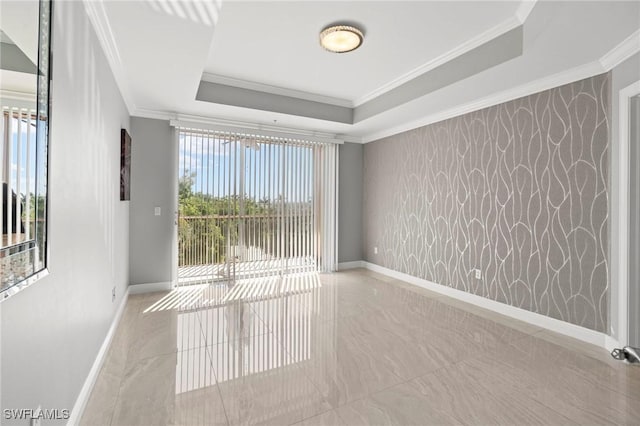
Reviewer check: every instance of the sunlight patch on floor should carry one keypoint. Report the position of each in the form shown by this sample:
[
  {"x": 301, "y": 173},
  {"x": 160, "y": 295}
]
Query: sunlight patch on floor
[{"x": 246, "y": 290}]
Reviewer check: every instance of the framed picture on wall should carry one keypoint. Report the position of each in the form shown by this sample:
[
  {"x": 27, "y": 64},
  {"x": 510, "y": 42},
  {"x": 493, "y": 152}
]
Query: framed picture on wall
[{"x": 125, "y": 165}]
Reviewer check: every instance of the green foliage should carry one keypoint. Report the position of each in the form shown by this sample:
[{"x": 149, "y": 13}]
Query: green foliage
[
  {"x": 209, "y": 224},
  {"x": 199, "y": 204},
  {"x": 37, "y": 219}
]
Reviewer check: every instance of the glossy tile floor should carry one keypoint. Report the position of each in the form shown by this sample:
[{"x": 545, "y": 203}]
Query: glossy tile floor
[{"x": 348, "y": 348}]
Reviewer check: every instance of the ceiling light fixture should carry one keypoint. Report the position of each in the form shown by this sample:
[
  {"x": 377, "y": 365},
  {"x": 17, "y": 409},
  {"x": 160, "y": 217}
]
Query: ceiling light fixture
[{"x": 341, "y": 38}]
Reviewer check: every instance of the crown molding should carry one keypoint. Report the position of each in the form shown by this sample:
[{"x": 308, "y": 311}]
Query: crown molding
[
  {"x": 275, "y": 90},
  {"x": 628, "y": 47},
  {"x": 198, "y": 119},
  {"x": 255, "y": 131},
  {"x": 546, "y": 83},
  {"x": 461, "y": 49},
  {"x": 18, "y": 96},
  {"x": 521, "y": 15},
  {"x": 98, "y": 17},
  {"x": 623, "y": 51},
  {"x": 17, "y": 100},
  {"x": 236, "y": 124},
  {"x": 208, "y": 122},
  {"x": 154, "y": 114},
  {"x": 100, "y": 22}
]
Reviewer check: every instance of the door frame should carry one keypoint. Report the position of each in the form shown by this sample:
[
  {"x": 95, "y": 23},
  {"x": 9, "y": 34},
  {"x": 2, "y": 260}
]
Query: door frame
[{"x": 621, "y": 240}]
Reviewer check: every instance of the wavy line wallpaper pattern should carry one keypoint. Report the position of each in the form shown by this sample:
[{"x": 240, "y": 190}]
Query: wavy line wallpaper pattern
[{"x": 518, "y": 190}]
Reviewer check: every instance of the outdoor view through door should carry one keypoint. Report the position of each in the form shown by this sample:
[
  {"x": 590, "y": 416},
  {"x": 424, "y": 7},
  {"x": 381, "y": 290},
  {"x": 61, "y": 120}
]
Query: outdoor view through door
[{"x": 253, "y": 206}]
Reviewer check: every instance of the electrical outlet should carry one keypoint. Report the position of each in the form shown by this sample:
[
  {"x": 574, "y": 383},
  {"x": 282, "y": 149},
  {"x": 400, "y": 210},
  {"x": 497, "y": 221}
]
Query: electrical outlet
[
  {"x": 113, "y": 294},
  {"x": 375, "y": 250},
  {"x": 157, "y": 211},
  {"x": 478, "y": 274}
]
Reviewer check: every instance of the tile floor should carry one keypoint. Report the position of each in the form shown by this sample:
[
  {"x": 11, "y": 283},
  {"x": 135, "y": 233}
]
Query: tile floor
[{"x": 349, "y": 348}]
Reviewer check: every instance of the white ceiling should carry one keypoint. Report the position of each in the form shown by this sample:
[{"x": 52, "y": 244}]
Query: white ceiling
[
  {"x": 159, "y": 54},
  {"x": 276, "y": 43},
  {"x": 159, "y": 51},
  {"x": 19, "y": 26},
  {"x": 19, "y": 21}
]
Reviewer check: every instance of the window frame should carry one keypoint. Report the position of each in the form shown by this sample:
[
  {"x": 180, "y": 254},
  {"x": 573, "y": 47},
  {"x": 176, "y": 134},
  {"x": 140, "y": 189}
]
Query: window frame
[{"x": 42, "y": 156}]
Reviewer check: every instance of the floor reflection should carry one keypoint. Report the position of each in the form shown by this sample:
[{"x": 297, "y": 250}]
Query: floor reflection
[
  {"x": 349, "y": 348},
  {"x": 253, "y": 339},
  {"x": 246, "y": 290}
]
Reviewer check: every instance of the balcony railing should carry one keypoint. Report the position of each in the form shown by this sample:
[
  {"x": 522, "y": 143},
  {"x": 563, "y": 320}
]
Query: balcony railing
[{"x": 222, "y": 245}]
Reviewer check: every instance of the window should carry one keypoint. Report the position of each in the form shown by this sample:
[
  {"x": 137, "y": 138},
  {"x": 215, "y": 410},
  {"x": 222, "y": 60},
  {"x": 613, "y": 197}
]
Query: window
[
  {"x": 24, "y": 98},
  {"x": 252, "y": 206}
]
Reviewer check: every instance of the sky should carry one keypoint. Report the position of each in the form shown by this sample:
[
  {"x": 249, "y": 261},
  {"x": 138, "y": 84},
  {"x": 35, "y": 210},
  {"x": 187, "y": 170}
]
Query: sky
[
  {"x": 270, "y": 170},
  {"x": 20, "y": 164}
]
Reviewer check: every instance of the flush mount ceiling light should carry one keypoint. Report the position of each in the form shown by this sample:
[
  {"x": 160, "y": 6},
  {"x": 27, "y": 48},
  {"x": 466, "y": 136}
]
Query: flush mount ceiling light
[{"x": 341, "y": 38}]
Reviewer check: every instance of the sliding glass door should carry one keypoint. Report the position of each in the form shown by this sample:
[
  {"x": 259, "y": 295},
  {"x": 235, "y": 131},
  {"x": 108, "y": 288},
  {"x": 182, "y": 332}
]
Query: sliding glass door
[{"x": 253, "y": 206}]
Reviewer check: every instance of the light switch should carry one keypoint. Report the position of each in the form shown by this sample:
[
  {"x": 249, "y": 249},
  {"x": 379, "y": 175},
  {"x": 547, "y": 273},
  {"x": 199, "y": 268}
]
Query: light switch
[{"x": 157, "y": 211}]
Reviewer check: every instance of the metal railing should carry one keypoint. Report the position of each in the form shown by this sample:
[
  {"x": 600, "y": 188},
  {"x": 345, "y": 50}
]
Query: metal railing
[{"x": 218, "y": 239}]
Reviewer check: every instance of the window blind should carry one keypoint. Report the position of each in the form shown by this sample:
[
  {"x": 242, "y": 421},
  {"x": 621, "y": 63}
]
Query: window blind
[{"x": 253, "y": 205}]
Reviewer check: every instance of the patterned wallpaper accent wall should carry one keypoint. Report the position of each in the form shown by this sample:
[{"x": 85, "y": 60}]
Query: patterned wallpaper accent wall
[{"x": 518, "y": 190}]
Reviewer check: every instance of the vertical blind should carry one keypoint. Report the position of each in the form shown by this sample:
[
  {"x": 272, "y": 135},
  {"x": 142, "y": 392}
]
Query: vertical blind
[
  {"x": 253, "y": 205},
  {"x": 23, "y": 156},
  {"x": 17, "y": 163}
]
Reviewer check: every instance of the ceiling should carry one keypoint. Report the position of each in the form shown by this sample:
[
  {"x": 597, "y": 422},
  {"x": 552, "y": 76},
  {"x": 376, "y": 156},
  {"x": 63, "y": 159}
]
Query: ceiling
[
  {"x": 18, "y": 51},
  {"x": 260, "y": 63},
  {"x": 19, "y": 23},
  {"x": 276, "y": 43}
]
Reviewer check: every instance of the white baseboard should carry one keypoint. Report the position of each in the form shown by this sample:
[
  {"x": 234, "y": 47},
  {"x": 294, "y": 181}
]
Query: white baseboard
[
  {"x": 150, "y": 287},
  {"x": 343, "y": 266},
  {"x": 85, "y": 392},
  {"x": 611, "y": 343},
  {"x": 577, "y": 332}
]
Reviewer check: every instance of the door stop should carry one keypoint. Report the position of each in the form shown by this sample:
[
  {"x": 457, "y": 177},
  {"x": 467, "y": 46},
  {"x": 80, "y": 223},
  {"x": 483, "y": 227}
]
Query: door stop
[{"x": 627, "y": 353}]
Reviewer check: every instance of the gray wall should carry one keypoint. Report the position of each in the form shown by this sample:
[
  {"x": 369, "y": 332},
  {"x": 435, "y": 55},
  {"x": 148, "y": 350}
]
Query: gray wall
[
  {"x": 52, "y": 331},
  {"x": 518, "y": 190},
  {"x": 153, "y": 184},
  {"x": 350, "y": 202},
  {"x": 622, "y": 76}
]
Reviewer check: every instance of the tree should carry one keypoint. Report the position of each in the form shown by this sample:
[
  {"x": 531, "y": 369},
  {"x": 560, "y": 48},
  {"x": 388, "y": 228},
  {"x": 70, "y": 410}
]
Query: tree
[{"x": 209, "y": 224}]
